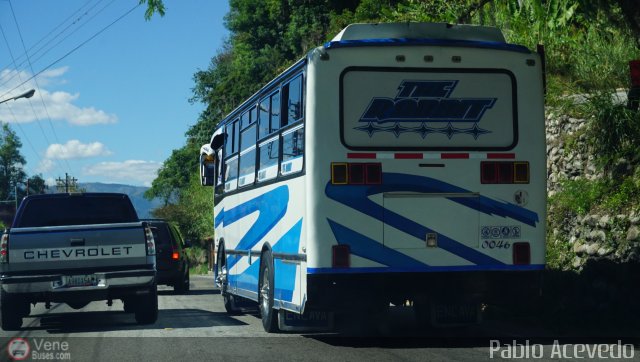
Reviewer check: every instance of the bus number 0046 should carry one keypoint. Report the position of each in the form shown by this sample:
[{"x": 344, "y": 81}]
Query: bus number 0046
[{"x": 496, "y": 244}]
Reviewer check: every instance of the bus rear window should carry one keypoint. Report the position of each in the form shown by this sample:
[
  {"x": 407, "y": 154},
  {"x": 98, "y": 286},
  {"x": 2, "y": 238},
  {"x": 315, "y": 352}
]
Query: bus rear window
[{"x": 428, "y": 109}]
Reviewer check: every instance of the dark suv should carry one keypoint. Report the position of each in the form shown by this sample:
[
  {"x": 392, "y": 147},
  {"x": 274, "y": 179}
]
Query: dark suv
[{"x": 171, "y": 261}]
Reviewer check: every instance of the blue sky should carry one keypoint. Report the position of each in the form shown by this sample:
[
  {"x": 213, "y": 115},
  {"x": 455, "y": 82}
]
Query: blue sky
[{"x": 113, "y": 110}]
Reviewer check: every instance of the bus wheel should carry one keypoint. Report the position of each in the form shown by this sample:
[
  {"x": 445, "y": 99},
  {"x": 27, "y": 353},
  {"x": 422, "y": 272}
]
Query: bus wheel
[
  {"x": 222, "y": 282},
  {"x": 265, "y": 295}
]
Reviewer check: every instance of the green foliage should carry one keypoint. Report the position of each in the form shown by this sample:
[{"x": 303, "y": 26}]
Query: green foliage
[
  {"x": 153, "y": 6},
  {"x": 578, "y": 196},
  {"x": 11, "y": 163},
  {"x": 614, "y": 130},
  {"x": 193, "y": 211},
  {"x": 559, "y": 253}
]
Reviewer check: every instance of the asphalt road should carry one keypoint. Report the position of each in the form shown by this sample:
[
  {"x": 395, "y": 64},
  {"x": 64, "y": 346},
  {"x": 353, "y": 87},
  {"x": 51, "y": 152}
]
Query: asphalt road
[{"x": 195, "y": 326}]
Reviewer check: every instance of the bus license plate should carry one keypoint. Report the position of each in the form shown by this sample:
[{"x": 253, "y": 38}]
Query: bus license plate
[
  {"x": 80, "y": 280},
  {"x": 463, "y": 313}
]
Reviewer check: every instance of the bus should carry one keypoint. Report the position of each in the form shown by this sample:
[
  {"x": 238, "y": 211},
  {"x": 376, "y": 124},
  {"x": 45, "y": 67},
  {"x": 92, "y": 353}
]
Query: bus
[{"x": 397, "y": 164}]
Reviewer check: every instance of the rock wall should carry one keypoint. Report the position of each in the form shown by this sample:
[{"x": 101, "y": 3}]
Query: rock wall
[{"x": 594, "y": 235}]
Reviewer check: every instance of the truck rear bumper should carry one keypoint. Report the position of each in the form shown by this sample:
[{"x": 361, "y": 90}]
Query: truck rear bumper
[{"x": 51, "y": 283}]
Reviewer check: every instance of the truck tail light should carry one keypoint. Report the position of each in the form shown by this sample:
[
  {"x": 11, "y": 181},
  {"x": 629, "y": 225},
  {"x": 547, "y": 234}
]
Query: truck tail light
[
  {"x": 4, "y": 248},
  {"x": 340, "y": 256},
  {"x": 175, "y": 255},
  {"x": 521, "y": 253},
  {"x": 151, "y": 243},
  {"x": 343, "y": 173},
  {"x": 504, "y": 172}
]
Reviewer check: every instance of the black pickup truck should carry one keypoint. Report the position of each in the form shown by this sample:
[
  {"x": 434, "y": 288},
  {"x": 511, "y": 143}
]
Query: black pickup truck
[{"x": 76, "y": 248}]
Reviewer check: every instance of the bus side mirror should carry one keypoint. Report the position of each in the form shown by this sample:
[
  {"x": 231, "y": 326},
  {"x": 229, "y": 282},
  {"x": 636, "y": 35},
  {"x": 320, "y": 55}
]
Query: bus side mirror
[
  {"x": 207, "y": 170},
  {"x": 207, "y": 165}
]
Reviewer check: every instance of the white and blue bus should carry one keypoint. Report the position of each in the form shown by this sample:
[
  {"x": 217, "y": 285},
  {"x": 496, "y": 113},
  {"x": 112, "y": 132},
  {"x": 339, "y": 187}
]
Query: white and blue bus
[{"x": 396, "y": 163}]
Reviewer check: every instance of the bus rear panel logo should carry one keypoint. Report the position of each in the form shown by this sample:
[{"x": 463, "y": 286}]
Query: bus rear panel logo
[{"x": 424, "y": 103}]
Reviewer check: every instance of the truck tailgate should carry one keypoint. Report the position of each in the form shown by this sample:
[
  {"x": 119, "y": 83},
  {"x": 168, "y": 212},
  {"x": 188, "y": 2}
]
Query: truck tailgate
[{"x": 86, "y": 247}]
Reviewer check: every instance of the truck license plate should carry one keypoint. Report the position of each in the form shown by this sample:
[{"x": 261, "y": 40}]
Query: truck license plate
[{"x": 79, "y": 280}]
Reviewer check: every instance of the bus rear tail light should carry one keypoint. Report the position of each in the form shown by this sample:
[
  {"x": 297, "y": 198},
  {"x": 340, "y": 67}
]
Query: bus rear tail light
[
  {"x": 340, "y": 256},
  {"x": 504, "y": 172},
  {"x": 374, "y": 173},
  {"x": 521, "y": 253},
  {"x": 356, "y": 174},
  {"x": 343, "y": 173},
  {"x": 4, "y": 248}
]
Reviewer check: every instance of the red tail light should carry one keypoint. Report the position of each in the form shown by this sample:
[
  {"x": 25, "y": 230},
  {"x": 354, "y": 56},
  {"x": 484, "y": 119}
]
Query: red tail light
[
  {"x": 356, "y": 173},
  {"x": 340, "y": 257},
  {"x": 4, "y": 248},
  {"x": 343, "y": 173},
  {"x": 521, "y": 253},
  {"x": 504, "y": 172},
  {"x": 175, "y": 255}
]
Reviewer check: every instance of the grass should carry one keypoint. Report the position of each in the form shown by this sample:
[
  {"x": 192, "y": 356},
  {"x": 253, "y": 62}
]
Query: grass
[{"x": 199, "y": 269}]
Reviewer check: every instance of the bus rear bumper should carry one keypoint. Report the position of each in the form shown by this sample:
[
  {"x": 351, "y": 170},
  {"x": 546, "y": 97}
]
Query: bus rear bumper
[{"x": 353, "y": 291}]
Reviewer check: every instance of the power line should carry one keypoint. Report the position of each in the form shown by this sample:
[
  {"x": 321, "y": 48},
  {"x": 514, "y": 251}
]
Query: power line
[
  {"x": 32, "y": 109},
  {"x": 72, "y": 50},
  {"x": 55, "y": 135},
  {"x": 54, "y": 29},
  {"x": 53, "y": 46}
]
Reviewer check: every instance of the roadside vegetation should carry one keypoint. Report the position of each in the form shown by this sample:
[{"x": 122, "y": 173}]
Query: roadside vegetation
[{"x": 588, "y": 45}]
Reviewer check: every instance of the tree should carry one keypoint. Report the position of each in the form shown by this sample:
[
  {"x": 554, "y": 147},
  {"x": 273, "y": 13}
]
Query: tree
[
  {"x": 11, "y": 162},
  {"x": 153, "y": 6}
]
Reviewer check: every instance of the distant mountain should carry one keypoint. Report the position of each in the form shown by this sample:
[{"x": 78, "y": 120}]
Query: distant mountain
[{"x": 136, "y": 194}]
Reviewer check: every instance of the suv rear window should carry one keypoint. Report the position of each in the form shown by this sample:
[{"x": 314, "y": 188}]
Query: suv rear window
[
  {"x": 161, "y": 234},
  {"x": 76, "y": 210}
]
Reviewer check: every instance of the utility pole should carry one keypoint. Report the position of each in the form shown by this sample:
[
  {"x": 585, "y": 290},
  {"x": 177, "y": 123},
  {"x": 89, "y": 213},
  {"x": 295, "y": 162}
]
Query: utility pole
[{"x": 66, "y": 185}]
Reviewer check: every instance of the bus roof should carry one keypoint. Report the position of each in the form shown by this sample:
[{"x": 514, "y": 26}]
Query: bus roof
[
  {"x": 420, "y": 31},
  {"x": 438, "y": 34}
]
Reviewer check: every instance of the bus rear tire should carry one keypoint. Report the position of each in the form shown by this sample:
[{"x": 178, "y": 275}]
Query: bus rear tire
[{"x": 265, "y": 294}]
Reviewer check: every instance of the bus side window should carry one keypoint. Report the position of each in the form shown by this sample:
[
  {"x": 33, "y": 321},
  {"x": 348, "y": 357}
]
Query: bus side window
[
  {"x": 294, "y": 101},
  {"x": 247, "y": 156},
  {"x": 219, "y": 187},
  {"x": 263, "y": 122},
  {"x": 292, "y": 151},
  {"x": 228, "y": 139},
  {"x": 231, "y": 174},
  {"x": 269, "y": 151},
  {"x": 275, "y": 112}
]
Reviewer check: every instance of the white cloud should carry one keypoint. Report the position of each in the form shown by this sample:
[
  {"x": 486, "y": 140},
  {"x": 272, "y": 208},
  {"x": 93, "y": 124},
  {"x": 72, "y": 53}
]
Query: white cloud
[
  {"x": 75, "y": 149},
  {"x": 59, "y": 105},
  {"x": 130, "y": 171},
  {"x": 45, "y": 165}
]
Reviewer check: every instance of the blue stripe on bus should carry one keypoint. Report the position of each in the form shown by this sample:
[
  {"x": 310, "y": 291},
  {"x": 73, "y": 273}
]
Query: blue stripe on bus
[
  {"x": 426, "y": 42},
  {"x": 368, "y": 248},
  {"x": 285, "y": 273},
  {"x": 435, "y": 269},
  {"x": 346, "y": 236},
  {"x": 271, "y": 207},
  {"x": 353, "y": 195},
  {"x": 219, "y": 218},
  {"x": 357, "y": 197}
]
